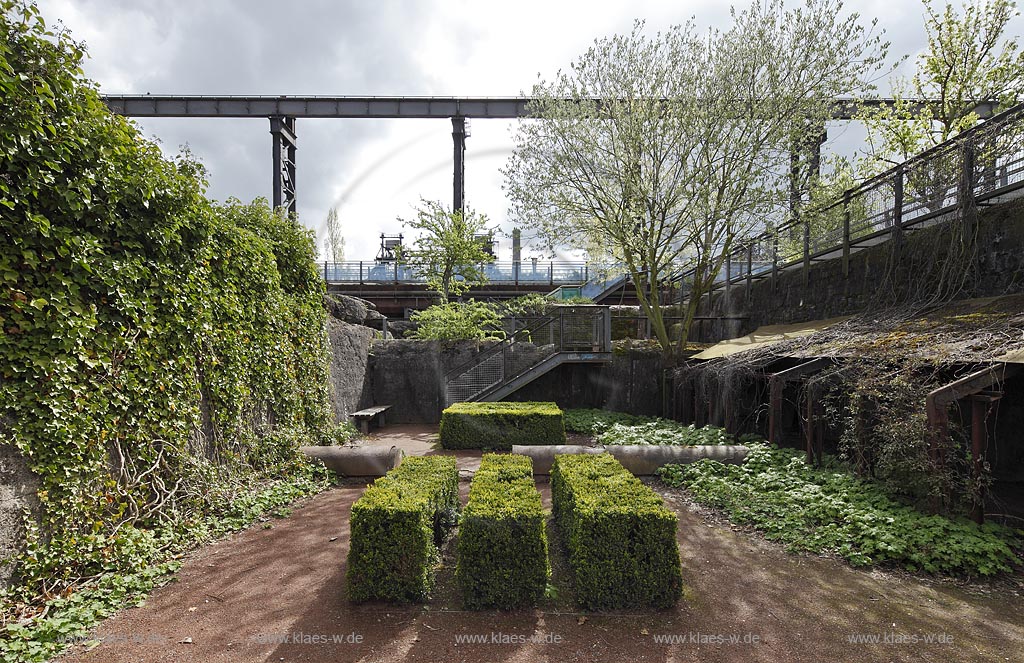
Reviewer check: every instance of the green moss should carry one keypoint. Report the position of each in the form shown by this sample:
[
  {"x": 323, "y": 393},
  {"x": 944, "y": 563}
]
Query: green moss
[
  {"x": 503, "y": 548},
  {"x": 500, "y": 425},
  {"x": 621, "y": 538}
]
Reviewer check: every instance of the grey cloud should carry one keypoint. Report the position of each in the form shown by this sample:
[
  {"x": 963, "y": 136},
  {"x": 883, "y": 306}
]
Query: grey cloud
[{"x": 252, "y": 47}]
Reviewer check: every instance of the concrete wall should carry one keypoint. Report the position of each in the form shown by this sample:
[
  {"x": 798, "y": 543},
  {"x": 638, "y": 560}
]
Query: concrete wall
[
  {"x": 878, "y": 276},
  {"x": 409, "y": 376},
  {"x": 18, "y": 489},
  {"x": 350, "y": 346},
  {"x": 631, "y": 382}
]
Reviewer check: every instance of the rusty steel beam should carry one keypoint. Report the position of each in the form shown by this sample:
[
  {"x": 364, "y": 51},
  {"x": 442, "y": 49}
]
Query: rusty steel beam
[
  {"x": 938, "y": 401},
  {"x": 981, "y": 406},
  {"x": 158, "y": 105},
  {"x": 777, "y": 382}
]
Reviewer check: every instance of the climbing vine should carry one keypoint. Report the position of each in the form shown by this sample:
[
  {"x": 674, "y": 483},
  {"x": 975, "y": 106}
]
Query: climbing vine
[
  {"x": 873, "y": 392},
  {"x": 162, "y": 355}
]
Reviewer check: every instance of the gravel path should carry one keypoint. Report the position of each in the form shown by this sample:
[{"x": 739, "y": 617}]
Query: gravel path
[{"x": 278, "y": 594}]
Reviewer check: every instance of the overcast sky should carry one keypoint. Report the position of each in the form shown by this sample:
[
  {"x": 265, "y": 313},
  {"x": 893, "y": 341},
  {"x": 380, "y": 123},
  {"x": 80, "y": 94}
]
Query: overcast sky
[{"x": 372, "y": 170}]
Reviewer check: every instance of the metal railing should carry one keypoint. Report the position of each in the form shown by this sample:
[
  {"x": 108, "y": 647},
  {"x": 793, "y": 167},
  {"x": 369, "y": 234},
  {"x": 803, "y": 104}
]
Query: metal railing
[
  {"x": 981, "y": 166},
  {"x": 578, "y": 329},
  {"x": 501, "y": 272}
]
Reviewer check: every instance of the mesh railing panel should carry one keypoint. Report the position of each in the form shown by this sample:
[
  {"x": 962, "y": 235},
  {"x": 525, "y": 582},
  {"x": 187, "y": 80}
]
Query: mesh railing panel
[{"x": 571, "y": 330}]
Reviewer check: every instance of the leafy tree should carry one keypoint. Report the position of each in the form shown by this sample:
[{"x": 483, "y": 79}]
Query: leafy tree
[
  {"x": 334, "y": 243},
  {"x": 969, "y": 60},
  {"x": 665, "y": 149},
  {"x": 457, "y": 321},
  {"x": 447, "y": 253}
]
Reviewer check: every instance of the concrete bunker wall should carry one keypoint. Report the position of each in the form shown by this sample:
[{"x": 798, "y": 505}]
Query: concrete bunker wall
[{"x": 409, "y": 376}]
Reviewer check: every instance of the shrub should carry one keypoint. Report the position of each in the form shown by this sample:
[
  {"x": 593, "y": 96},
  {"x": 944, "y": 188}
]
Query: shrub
[
  {"x": 468, "y": 321},
  {"x": 503, "y": 548},
  {"x": 621, "y": 538},
  {"x": 829, "y": 511},
  {"x": 533, "y": 305},
  {"x": 396, "y": 527},
  {"x": 500, "y": 425}
]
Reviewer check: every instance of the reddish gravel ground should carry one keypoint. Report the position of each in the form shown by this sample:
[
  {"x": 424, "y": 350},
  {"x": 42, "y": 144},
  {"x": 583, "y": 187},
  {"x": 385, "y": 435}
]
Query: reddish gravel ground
[{"x": 278, "y": 594}]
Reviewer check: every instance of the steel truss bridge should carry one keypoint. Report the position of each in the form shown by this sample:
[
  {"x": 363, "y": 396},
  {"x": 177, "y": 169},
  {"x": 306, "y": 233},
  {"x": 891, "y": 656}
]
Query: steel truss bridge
[{"x": 283, "y": 111}]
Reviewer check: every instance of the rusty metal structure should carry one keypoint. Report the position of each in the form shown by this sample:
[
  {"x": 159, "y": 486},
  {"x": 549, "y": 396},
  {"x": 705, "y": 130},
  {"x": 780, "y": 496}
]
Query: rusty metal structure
[
  {"x": 979, "y": 168},
  {"x": 282, "y": 111}
]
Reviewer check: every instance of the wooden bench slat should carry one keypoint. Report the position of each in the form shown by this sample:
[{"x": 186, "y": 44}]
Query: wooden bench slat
[
  {"x": 364, "y": 417},
  {"x": 371, "y": 411}
]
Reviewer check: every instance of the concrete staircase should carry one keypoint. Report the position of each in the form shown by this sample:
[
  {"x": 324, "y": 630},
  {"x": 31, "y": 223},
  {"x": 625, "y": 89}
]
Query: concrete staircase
[
  {"x": 596, "y": 289},
  {"x": 572, "y": 334}
]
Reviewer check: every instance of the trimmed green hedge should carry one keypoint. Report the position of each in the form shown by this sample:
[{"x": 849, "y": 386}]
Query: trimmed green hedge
[
  {"x": 621, "y": 538},
  {"x": 500, "y": 425},
  {"x": 503, "y": 548},
  {"x": 396, "y": 527}
]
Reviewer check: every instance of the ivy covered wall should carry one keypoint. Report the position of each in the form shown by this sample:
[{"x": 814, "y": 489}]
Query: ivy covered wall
[{"x": 160, "y": 354}]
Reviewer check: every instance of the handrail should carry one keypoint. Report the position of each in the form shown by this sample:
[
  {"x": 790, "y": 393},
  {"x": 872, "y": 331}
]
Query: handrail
[
  {"x": 466, "y": 366},
  {"x": 583, "y": 334},
  {"x": 529, "y": 272},
  {"x": 907, "y": 207}
]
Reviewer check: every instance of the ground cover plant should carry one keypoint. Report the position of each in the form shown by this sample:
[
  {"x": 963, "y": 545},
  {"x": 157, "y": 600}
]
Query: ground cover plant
[
  {"x": 500, "y": 425},
  {"x": 620, "y": 536},
  {"x": 592, "y": 421},
  {"x": 620, "y": 428},
  {"x": 503, "y": 546},
  {"x": 663, "y": 432},
  {"x": 396, "y": 527},
  {"x": 68, "y": 617},
  {"x": 830, "y": 511}
]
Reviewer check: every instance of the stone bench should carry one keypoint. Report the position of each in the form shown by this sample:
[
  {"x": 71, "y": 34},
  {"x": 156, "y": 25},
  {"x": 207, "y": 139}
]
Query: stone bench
[{"x": 363, "y": 418}]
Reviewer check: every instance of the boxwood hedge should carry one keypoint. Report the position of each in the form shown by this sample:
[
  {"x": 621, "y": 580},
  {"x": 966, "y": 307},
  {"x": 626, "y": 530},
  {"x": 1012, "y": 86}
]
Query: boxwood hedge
[
  {"x": 500, "y": 425},
  {"x": 396, "y": 527},
  {"x": 503, "y": 547},
  {"x": 620, "y": 537}
]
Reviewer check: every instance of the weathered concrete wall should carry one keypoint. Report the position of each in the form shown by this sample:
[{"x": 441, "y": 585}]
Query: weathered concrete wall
[
  {"x": 876, "y": 274},
  {"x": 631, "y": 382},
  {"x": 350, "y": 346},
  {"x": 409, "y": 376},
  {"x": 18, "y": 491}
]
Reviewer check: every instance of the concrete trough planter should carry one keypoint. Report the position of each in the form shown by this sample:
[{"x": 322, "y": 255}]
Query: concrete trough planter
[
  {"x": 639, "y": 459},
  {"x": 357, "y": 461},
  {"x": 544, "y": 455}
]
